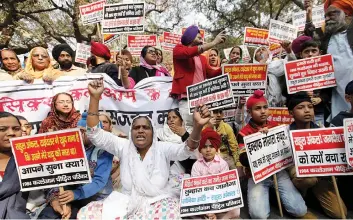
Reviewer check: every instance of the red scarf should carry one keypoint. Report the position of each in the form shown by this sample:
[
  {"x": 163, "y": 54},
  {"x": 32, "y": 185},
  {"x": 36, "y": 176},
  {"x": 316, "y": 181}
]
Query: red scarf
[{"x": 54, "y": 123}]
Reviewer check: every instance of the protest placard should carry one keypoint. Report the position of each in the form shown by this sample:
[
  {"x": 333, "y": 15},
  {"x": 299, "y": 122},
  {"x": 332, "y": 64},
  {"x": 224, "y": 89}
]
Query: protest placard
[
  {"x": 280, "y": 116},
  {"x": 246, "y": 78},
  {"x": 320, "y": 152},
  {"x": 83, "y": 52},
  {"x": 215, "y": 93},
  {"x": 123, "y": 18},
  {"x": 230, "y": 112},
  {"x": 348, "y": 137},
  {"x": 210, "y": 194},
  {"x": 310, "y": 74},
  {"x": 276, "y": 50},
  {"x": 255, "y": 37},
  {"x": 109, "y": 38},
  {"x": 280, "y": 31},
  {"x": 268, "y": 153},
  {"x": 135, "y": 43},
  {"x": 170, "y": 40},
  {"x": 92, "y": 13},
  {"x": 318, "y": 18},
  {"x": 51, "y": 159}
]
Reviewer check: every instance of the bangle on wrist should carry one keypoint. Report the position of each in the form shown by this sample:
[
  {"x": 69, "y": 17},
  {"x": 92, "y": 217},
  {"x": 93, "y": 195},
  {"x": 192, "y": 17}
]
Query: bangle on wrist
[
  {"x": 195, "y": 141},
  {"x": 93, "y": 113}
]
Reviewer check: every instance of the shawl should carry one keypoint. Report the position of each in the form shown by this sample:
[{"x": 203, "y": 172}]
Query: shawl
[
  {"x": 160, "y": 70},
  {"x": 48, "y": 72},
  {"x": 165, "y": 134},
  {"x": 12, "y": 200},
  {"x": 54, "y": 123}
]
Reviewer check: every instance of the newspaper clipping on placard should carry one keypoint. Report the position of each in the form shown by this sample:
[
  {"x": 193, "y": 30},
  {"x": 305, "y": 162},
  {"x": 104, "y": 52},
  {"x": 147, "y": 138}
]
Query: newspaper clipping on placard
[
  {"x": 320, "y": 152},
  {"x": 123, "y": 18},
  {"x": 215, "y": 93},
  {"x": 280, "y": 115},
  {"x": 255, "y": 37},
  {"x": 246, "y": 78},
  {"x": 92, "y": 13},
  {"x": 280, "y": 31},
  {"x": 318, "y": 18},
  {"x": 135, "y": 43},
  {"x": 109, "y": 38},
  {"x": 310, "y": 74},
  {"x": 83, "y": 52},
  {"x": 51, "y": 159},
  {"x": 268, "y": 153},
  {"x": 210, "y": 194},
  {"x": 170, "y": 40},
  {"x": 348, "y": 134}
]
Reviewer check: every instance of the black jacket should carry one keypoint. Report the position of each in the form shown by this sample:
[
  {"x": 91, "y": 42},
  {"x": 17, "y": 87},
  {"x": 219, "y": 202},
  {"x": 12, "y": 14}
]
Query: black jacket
[
  {"x": 337, "y": 121},
  {"x": 109, "y": 68}
]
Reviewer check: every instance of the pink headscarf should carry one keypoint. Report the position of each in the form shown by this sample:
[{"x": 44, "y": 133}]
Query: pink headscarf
[{"x": 160, "y": 70}]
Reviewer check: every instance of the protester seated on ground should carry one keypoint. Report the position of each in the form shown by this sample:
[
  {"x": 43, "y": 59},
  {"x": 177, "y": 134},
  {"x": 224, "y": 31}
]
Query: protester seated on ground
[
  {"x": 148, "y": 68},
  {"x": 229, "y": 150},
  {"x": 305, "y": 47},
  {"x": 300, "y": 106},
  {"x": 12, "y": 200},
  {"x": 174, "y": 131},
  {"x": 191, "y": 68},
  {"x": 65, "y": 56},
  {"x": 145, "y": 165},
  {"x": 10, "y": 63},
  {"x": 258, "y": 194},
  {"x": 235, "y": 55},
  {"x": 212, "y": 58},
  {"x": 211, "y": 163},
  {"x": 100, "y": 61},
  {"x": 275, "y": 76},
  {"x": 62, "y": 115},
  {"x": 38, "y": 66},
  {"x": 79, "y": 195}
]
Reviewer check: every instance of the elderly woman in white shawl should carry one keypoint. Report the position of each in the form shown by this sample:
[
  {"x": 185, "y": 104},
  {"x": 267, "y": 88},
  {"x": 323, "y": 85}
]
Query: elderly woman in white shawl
[{"x": 145, "y": 165}]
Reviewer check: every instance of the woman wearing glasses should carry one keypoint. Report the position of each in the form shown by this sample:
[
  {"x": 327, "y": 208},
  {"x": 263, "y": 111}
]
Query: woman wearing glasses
[
  {"x": 62, "y": 115},
  {"x": 38, "y": 66},
  {"x": 148, "y": 67}
]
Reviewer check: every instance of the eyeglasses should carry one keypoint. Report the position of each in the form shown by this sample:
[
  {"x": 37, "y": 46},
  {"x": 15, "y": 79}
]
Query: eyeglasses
[
  {"x": 151, "y": 51},
  {"x": 63, "y": 102}
]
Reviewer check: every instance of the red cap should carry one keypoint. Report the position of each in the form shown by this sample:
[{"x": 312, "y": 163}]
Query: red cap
[
  {"x": 100, "y": 50},
  {"x": 257, "y": 97}
]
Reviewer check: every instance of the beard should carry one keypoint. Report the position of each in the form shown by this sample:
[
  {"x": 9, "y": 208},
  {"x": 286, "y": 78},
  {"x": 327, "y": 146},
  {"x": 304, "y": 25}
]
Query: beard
[
  {"x": 333, "y": 27},
  {"x": 65, "y": 64}
]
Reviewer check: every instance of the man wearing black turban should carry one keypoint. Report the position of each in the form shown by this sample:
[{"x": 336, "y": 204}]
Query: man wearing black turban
[{"x": 64, "y": 55}]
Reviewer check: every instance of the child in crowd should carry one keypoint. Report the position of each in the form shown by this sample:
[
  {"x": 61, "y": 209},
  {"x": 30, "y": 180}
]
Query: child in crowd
[
  {"x": 210, "y": 163},
  {"x": 77, "y": 196},
  {"x": 258, "y": 194}
]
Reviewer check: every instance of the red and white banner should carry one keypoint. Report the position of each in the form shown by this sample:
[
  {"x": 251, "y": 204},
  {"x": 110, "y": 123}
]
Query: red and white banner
[
  {"x": 215, "y": 93},
  {"x": 50, "y": 160},
  {"x": 210, "y": 194},
  {"x": 32, "y": 101},
  {"x": 83, "y": 52},
  {"x": 123, "y": 18},
  {"x": 170, "y": 40},
  {"x": 280, "y": 31},
  {"x": 246, "y": 78},
  {"x": 280, "y": 116},
  {"x": 320, "y": 152},
  {"x": 348, "y": 135},
  {"x": 318, "y": 18},
  {"x": 255, "y": 37},
  {"x": 268, "y": 153},
  {"x": 310, "y": 74},
  {"x": 92, "y": 13},
  {"x": 276, "y": 50},
  {"x": 135, "y": 43}
]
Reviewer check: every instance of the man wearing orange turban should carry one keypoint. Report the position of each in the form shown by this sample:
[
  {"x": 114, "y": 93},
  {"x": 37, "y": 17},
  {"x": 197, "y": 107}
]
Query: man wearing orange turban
[{"x": 344, "y": 5}]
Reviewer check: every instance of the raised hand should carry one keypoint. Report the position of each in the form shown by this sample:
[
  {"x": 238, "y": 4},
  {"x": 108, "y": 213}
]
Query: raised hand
[
  {"x": 96, "y": 88},
  {"x": 120, "y": 62},
  {"x": 201, "y": 115},
  {"x": 220, "y": 38}
]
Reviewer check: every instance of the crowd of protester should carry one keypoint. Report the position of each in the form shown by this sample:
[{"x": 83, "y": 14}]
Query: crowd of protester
[{"x": 139, "y": 174}]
